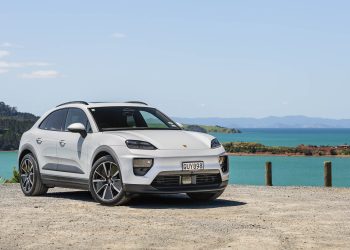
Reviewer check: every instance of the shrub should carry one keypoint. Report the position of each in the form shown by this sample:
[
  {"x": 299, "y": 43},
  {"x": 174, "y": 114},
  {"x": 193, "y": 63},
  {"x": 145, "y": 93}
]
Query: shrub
[
  {"x": 321, "y": 153},
  {"x": 333, "y": 152},
  {"x": 15, "y": 176},
  {"x": 345, "y": 152},
  {"x": 308, "y": 152}
]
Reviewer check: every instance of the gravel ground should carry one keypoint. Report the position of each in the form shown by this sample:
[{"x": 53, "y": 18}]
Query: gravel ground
[{"x": 245, "y": 217}]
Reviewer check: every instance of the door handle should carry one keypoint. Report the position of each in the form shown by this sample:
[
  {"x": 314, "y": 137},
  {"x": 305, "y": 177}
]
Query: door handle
[
  {"x": 62, "y": 143},
  {"x": 39, "y": 140}
]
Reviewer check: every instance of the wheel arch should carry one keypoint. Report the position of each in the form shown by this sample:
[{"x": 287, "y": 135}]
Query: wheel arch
[
  {"x": 26, "y": 149},
  {"x": 103, "y": 151}
]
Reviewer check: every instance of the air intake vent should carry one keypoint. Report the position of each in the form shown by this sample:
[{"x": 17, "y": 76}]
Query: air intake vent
[{"x": 198, "y": 180}]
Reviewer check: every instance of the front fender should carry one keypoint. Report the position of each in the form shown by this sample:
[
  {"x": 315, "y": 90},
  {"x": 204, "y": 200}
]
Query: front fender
[{"x": 106, "y": 149}]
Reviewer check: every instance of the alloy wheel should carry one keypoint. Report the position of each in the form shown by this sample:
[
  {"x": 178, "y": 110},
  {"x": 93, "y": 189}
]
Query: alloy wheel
[
  {"x": 27, "y": 175},
  {"x": 106, "y": 181}
]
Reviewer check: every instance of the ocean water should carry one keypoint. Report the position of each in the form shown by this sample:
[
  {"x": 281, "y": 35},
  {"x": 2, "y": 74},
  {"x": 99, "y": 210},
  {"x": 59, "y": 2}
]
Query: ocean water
[
  {"x": 8, "y": 160},
  {"x": 286, "y": 171}
]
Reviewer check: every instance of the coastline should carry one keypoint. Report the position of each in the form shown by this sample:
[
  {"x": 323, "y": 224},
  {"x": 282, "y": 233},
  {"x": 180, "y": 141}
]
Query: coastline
[{"x": 288, "y": 155}]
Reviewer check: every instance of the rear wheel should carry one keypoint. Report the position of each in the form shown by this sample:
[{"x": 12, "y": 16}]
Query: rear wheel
[
  {"x": 30, "y": 179},
  {"x": 105, "y": 182},
  {"x": 205, "y": 196}
]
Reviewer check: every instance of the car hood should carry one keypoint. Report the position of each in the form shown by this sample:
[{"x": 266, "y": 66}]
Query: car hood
[{"x": 168, "y": 139}]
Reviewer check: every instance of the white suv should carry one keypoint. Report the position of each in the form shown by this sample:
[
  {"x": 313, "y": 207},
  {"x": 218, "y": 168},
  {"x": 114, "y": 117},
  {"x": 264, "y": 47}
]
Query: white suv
[{"x": 115, "y": 150}]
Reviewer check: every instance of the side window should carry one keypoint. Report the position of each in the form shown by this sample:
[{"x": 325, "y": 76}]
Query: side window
[
  {"x": 76, "y": 115},
  {"x": 55, "y": 120}
]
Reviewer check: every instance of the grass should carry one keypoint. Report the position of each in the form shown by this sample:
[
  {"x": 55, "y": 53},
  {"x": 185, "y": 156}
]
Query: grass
[
  {"x": 14, "y": 179},
  {"x": 2, "y": 180}
]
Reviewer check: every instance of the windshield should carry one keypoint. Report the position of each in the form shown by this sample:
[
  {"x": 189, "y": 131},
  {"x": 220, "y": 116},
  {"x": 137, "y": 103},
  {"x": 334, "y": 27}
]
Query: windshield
[{"x": 126, "y": 118}]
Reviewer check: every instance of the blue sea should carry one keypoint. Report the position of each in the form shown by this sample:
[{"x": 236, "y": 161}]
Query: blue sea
[
  {"x": 287, "y": 171},
  {"x": 290, "y": 137}
]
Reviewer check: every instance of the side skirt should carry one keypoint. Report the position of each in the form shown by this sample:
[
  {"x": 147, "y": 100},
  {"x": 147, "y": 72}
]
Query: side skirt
[{"x": 65, "y": 182}]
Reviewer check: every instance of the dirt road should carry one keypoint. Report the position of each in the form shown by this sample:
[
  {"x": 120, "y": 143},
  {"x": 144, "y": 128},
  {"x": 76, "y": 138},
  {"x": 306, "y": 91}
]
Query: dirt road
[{"x": 245, "y": 217}]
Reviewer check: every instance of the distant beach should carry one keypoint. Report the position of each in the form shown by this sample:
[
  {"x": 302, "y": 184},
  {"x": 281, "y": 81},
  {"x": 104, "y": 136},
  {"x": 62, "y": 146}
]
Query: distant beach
[{"x": 287, "y": 155}]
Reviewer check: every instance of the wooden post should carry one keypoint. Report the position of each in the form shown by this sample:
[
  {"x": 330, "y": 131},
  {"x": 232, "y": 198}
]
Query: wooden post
[
  {"x": 268, "y": 173},
  {"x": 327, "y": 174}
]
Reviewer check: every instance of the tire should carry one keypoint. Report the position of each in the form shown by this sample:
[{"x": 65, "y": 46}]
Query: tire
[
  {"x": 207, "y": 196},
  {"x": 106, "y": 184},
  {"x": 30, "y": 179}
]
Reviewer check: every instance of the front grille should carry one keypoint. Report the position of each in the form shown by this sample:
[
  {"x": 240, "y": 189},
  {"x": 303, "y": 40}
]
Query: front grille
[
  {"x": 208, "y": 179},
  {"x": 164, "y": 181},
  {"x": 198, "y": 180}
]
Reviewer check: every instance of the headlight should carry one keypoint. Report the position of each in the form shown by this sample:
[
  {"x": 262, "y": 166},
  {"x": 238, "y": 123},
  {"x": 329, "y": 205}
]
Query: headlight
[
  {"x": 142, "y": 166},
  {"x": 133, "y": 144},
  {"x": 215, "y": 143}
]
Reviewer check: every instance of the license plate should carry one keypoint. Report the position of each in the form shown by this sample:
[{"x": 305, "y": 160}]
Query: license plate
[{"x": 192, "y": 166}]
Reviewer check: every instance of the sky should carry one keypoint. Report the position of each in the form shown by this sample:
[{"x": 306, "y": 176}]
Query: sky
[{"x": 188, "y": 58}]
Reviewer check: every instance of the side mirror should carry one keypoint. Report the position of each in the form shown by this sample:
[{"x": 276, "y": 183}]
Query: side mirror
[
  {"x": 77, "y": 128},
  {"x": 180, "y": 125}
]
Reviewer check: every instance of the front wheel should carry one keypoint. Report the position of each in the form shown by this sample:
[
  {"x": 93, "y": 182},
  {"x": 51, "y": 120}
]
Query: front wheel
[
  {"x": 30, "y": 179},
  {"x": 205, "y": 196},
  {"x": 105, "y": 182}
]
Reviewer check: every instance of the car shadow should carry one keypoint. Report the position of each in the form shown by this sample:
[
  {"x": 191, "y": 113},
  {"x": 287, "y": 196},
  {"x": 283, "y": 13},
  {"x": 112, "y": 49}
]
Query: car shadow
[
  {"x": 171, "y": 201},
  {"x": 71, "y": 195},
  {"x": 179, "y": 201}
]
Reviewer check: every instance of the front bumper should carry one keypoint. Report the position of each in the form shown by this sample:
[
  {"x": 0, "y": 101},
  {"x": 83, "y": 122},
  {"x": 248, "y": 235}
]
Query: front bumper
[
  {"x": 181, "y": 182},
  {"x": 168, "y": 162}
]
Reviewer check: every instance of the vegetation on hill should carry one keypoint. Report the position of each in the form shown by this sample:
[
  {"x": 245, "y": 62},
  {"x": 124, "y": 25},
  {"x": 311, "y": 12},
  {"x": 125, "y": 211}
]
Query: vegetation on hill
[
  {"x": 211, "y": 129},
  {"x": 12, "y": 125},
  {"x": 257, "y": 148}
]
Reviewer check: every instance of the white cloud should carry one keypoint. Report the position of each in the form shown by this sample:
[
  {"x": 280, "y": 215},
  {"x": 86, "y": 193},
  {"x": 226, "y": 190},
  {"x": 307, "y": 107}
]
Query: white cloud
[
  {"x": 10, "y": 45},
  {"x": 6, "y": 64},
  {"x": 36, "y": 64},
  {"x": 118, "y": 35},
  {"x": 4, "y": 53},
  {"x": 3, "y": 71},
  {"x": 41, "y": 74}
]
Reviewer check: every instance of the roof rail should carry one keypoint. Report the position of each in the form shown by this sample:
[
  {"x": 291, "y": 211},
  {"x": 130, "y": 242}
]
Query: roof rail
[
  {"x": 137, "y": 102},
  {"x": 81, "y": 102}
]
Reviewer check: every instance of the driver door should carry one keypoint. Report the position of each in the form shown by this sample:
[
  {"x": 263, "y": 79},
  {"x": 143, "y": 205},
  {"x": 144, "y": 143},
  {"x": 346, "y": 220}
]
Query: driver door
[{"x": 72, "y": 149}]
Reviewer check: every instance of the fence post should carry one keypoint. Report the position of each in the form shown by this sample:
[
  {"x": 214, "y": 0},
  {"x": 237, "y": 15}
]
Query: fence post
[
  {"x": 327, "y": 174},
  {"x": 268, "y": 173}
]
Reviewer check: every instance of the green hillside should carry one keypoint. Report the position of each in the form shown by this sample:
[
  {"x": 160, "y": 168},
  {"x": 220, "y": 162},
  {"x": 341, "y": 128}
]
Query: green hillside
[
  {"x": 211, "y": 129},
  {"x": 12, "y": 126}
]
